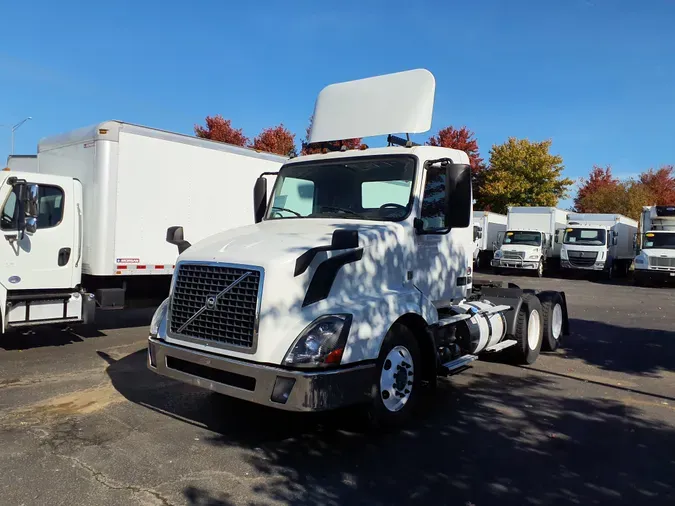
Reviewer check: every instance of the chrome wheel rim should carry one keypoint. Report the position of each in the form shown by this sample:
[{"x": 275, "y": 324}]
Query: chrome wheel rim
[
  {"x": 556, "y": 321},
  {"x": 533, "y": 329},
  {"x": 396, "y": 378}
]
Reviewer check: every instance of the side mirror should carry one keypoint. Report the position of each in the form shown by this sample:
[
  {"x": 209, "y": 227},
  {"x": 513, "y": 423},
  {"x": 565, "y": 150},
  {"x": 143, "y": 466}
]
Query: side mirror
[
  {"x": 615, "y": 239},
  {"x": 174, "y": 235},
  {"x": 260, "y": 198},
  {"x": 458, "y": 195},
  {"x": 32, "y": 198}
]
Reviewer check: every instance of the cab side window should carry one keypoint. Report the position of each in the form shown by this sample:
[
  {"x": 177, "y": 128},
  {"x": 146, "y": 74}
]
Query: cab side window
[
  {"x": 50, "y": 208},
  {"x": 10, "y": 211},
  {"x": 433, "y": 203}
]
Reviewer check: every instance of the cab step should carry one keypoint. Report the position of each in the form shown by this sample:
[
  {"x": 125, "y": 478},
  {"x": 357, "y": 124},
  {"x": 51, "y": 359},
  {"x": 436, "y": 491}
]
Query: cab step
[
  {"x": 501, "y": 345},
  {"x": 458, "y": 365}
]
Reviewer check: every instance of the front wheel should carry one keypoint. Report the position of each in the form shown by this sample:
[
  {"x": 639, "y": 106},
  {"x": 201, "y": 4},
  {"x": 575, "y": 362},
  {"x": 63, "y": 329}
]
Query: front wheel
[
  {"x": 540, "y": 269},
  {"x": 398, "y": 384}
]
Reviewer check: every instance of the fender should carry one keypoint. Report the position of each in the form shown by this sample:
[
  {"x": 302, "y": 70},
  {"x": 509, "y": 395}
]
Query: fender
[{"x": 374, "y": 317}]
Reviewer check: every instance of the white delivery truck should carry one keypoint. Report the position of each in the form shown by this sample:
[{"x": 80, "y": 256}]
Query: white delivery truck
[
  {"x": 488, "y": 230},
  {"x": 338, "y": 298},
  {"x": 655, "y": 261},
  {"x": 598, "y": 242},
  {"x": 22, "y": 163},
  {"x": 90, "y": 225},
  {"x": 532, "y": 239}
]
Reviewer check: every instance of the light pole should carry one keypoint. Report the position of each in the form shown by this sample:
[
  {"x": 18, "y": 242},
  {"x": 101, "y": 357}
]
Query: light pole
[{"x": 16, "y": 127}]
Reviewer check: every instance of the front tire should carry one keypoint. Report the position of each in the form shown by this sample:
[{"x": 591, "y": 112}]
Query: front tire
[
  {"x": 540, "y": 269},
  {"x": 529, "y": 331},
  {"x": 398, "y": 382}
]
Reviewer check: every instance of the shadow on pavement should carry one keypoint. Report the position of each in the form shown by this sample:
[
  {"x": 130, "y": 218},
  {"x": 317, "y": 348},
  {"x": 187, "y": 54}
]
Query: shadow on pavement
[
  {"x": 59, "y": 336},
  {"x": 499, "y": 440},
  {"x": 624, "y": 349}
]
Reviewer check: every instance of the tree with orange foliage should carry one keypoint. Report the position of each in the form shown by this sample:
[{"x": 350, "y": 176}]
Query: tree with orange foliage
[
  {"x": 599, "y": 193},
  {"x": 461, "y": 139},
  {"x": 661, "y": 184},
  {"x": 277, "y": 140},
  {"x": 318, "y": 147},
  {"x": 221, "y": 130}
]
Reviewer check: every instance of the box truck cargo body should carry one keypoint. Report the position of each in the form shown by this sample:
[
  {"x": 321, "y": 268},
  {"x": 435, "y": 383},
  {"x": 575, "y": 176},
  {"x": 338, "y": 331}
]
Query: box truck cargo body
[
  {"x": 655, "y": 261},
  {"x": 488, "y": 230},
  {"x": 22, "y": 163},
  {"x": 107, "y": 194},
  {"x": 598, "y": 242},
  {"x": 532, "y": 239}
]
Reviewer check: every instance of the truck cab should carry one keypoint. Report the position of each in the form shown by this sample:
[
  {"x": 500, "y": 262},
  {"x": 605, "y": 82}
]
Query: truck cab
[
  {"x": 41, "y": 255},
  {"x": 354, "y": 285},
  {"x": 523, "y": 249},
  {"x": 586, "y": 246},
  {"x": 655, "y": 258}
]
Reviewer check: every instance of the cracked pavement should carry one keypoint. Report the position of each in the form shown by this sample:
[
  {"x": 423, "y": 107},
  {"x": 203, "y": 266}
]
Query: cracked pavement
[{"x": 83, "y": 422}]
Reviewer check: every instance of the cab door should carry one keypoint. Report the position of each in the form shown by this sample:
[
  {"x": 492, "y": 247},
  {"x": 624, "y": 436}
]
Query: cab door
[{"x": 46, "y": 254}]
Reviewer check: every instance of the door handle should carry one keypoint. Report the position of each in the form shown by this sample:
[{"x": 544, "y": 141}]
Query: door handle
[{"x": 64, "y": 256}]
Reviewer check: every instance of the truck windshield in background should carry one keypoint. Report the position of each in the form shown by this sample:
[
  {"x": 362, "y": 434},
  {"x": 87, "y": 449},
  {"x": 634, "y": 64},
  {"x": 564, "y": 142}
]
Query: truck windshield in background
[
  {"x": 585, "y": 236},
  {"x": 361, "y": 188},
  {"x": 520, "y": 237},
  {"x": 659, "y": 240}
]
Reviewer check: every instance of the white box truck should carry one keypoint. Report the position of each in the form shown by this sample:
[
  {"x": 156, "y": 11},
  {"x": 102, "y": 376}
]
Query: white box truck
[
  {"x": 532, "y": 240},
  {"x": 90, "y": 225},
  {"x": 598, "y": 242},
  {"x": 22, "y": 163},
  {"x": 338, "y": 298},
  {"x": 655, "y": 260},
  {"x": 488, "y": 230}
]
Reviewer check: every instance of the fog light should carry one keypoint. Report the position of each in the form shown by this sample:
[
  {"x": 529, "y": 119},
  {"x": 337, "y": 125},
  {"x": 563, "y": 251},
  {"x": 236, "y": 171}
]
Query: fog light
[{"x": 282, "y": 389}]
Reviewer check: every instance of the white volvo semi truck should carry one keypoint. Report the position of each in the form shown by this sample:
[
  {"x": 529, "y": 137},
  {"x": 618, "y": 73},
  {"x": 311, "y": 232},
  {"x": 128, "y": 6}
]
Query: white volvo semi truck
[
  {"x": 598, "y": 242},
  {"x": 655, "y": 260},
  {"x": 348, "y": 290}
]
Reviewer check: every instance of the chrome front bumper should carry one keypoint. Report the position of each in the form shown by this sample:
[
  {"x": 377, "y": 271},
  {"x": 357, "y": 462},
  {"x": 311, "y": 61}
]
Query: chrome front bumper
[
  {"x": 263, "y": 384},
  {"x": 514, "y": 263},
  {"x": 565, "y": 264}
]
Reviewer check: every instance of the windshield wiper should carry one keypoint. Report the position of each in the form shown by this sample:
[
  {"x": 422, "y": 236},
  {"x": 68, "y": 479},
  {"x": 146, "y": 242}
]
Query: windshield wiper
[
  {"x": 287, "y": 210},
  {"x": 341, "y": 209}
]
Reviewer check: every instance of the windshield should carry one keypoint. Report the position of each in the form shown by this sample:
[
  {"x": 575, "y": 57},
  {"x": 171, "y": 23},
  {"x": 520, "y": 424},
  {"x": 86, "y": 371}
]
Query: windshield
[
  {"x": 356, "y": 188},
  {"x": 585, "y": 236},
  {"x": 519, "y": 237},
  {"x": 659, "y": 240}
]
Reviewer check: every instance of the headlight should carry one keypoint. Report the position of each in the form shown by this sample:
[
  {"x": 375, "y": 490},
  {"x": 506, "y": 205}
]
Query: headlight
[
  {"x": 533, "y": 257},
  {"x": 498, "y": 253},
  {"x": 563, "y": 254},
  {"x": 320, "y": 344},
  {"x": 640, "y": 260},
  {"x": 158, "y": 317}
]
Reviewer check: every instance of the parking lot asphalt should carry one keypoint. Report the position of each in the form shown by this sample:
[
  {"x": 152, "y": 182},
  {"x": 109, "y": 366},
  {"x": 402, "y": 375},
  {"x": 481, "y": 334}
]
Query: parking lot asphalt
[{"x": 83, "y": 422}]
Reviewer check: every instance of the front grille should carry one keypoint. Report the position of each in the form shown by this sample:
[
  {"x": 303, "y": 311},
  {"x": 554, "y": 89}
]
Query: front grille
[
  {"x": 519, "y": 255},
  {"x": 661, "y": 262},
  {"x": 582, "y": 258},
  {"x": 231, "y": 320}
]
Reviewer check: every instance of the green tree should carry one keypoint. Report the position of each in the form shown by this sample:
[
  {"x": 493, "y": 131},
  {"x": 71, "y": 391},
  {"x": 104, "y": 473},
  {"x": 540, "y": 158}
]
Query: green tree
[{"x": 522, "y": 173}]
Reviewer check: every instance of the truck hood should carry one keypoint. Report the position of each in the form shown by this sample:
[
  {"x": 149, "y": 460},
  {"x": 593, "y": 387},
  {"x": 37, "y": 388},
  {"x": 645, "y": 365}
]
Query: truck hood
[
  {"x": 658, "y": 252},
  {"x": 281, "y": 242},
  {"x": 274, "y": 246}
]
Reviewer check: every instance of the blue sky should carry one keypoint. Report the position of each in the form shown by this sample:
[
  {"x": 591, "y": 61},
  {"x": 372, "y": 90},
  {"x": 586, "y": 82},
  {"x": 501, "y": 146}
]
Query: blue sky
[{"x": 595, "y": 76}]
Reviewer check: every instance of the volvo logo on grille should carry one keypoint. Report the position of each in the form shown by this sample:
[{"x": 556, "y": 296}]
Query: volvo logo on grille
[{"x": 211, "y": 301}]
